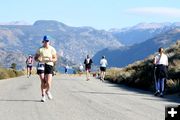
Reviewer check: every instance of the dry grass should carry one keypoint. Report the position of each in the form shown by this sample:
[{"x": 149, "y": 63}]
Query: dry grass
[
  {"x": 34, "y": 71},
  {"x": 9, "y": 73}
]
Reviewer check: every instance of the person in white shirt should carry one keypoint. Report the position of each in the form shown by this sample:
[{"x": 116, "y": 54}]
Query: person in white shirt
[
  {"x": 161, "y": 64},
  {"x": 103, "y": 65}
]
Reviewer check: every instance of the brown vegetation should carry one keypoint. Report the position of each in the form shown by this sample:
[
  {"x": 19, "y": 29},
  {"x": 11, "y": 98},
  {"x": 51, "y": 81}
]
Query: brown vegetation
[{"x": 9, "y": 73}]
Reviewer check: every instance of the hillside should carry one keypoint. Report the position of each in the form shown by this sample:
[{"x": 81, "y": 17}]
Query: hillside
[
  {"x": 9, "y": 57},
  {"x": 140, "y": 73},
  {"x": 123, "y": 57}
]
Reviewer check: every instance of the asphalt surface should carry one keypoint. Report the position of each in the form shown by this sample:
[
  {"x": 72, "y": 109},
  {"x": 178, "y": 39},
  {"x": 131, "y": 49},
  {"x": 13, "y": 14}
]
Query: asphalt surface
[{"x": 74, "y": 98}]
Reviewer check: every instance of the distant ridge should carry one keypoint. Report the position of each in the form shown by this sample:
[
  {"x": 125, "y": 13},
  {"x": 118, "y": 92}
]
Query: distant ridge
[
  {"x": 122, "y": 57},
  {"x": 142, "y": 32},
  {"x": 15, "y": 23}
]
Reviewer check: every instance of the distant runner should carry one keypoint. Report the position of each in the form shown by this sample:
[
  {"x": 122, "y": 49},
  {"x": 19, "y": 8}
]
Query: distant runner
[
  {"x": 46, "y": 56},
  {"x": 29, "y": 64},
  {"x": 103, "y": 64},
  {"x": 88, "y": 61},
  {"x": 66, "y": 69},
  {"x": 81, "y": 69},
  {"x": 161, "y": 64}
]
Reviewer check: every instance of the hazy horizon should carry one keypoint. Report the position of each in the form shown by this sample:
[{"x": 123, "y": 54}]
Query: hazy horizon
[{"x": 101, "y": 14}]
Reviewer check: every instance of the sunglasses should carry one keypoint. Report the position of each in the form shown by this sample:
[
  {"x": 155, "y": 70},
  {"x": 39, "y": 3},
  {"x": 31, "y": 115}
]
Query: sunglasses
[{"x": 45, "y": 41}]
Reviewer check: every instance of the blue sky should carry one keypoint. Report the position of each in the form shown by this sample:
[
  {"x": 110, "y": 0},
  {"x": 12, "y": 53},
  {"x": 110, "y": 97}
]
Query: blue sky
[{"x": 100, "y": 14}]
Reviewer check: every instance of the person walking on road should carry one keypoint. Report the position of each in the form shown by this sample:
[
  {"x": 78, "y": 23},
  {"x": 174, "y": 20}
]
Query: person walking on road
[
  {"x": 161, "y": 64},
  {"x": 103, "y": 65},
  {"x": 29, "y": 63},
  {"x": 88, "y": 62},
  {"x": 46, "y": 56}
]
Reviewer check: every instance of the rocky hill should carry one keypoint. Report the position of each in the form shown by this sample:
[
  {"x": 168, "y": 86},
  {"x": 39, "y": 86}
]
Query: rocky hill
[{"x": 7, "y": 58}]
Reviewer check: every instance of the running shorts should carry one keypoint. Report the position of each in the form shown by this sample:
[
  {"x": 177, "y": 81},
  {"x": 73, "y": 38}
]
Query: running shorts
[
  {"x": 48, "y": 69},
  {"x": 103, "y": 69}
]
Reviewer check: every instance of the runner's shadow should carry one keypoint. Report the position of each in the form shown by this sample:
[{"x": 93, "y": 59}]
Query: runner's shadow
[
  {"x": 171, "y": 98},
  {"x": 7, "y": 100},
  {"x": 107, "y": 93}
]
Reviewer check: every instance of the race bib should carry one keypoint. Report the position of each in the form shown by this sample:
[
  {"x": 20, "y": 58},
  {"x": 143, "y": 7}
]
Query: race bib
[{"x": 40, "y": 66}]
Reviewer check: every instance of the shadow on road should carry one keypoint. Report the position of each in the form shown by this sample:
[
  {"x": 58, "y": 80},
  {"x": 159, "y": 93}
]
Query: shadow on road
[
  {"x": 170, "y": 98},
  {"x": 107, "y": 93},
  {"x": 19, "y": 100}
]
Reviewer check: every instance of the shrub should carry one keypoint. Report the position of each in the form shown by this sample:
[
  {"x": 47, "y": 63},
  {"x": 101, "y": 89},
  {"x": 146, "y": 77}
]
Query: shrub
[{"x": 9, "y": 73}]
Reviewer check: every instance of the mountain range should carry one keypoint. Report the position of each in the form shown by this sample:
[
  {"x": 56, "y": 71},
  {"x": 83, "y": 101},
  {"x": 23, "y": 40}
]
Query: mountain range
[
  {"x": 74, "y": 43},
  {"x": 71, "y": 43},
  {"x": 122, "y": 57},
  {"x": 142, "y": 32}
]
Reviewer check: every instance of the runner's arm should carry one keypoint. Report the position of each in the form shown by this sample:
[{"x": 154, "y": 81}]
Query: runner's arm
[
  {"x": 54, "y": 58},
  {"x": 36, "y": 57}
]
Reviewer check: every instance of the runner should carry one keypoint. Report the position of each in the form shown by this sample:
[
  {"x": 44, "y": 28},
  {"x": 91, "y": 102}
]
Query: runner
[
  {"x": 29, "y": 64},
  {"x": 88, "y": 61},
  {"x": 161, "y": 62},
  {"x": 66, "y": 69},
  {"x": 103, "y": 64},
  {"x": 81, "y": 69},
  {"x": 46, "y": 56}
]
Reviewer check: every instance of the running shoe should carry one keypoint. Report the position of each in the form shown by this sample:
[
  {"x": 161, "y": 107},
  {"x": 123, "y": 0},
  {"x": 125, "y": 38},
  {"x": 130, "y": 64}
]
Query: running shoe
[
  {"x": 43, "y": 99},
  {"x": 161, "y": 94},
  {"x": 49, "y": 95},
  {"x": 156, "y": 93}
]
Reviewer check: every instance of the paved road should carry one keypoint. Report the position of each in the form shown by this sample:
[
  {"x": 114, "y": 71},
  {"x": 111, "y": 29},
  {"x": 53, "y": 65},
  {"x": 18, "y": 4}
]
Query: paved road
[{"x": 77, "y": 99}]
